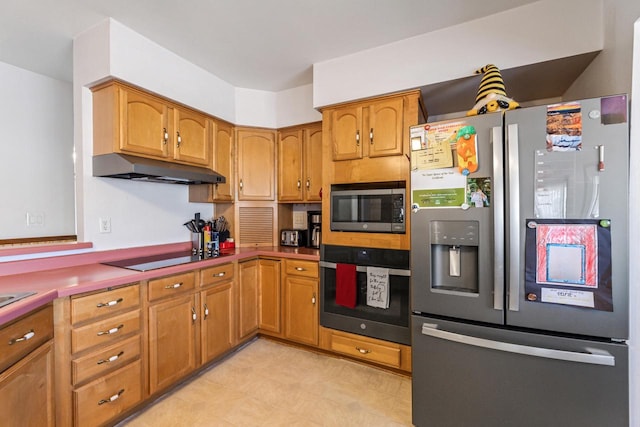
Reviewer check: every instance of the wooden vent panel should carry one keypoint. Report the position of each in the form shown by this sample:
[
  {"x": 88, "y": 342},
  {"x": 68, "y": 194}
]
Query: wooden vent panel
[{"x": 256, "y": 226}]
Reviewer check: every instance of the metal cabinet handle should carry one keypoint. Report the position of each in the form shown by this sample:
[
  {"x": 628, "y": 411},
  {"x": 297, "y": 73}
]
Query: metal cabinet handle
[
  {"x": 179, "y": 139},
  {"x": 363, "y": 350},
  {"x": 241, "y": 185},
  {"x": 111, "y": 359},
  {"x": 194, "y": 315},
  {"x": 308, "y": 183},
  {"x": 165, "y": 136},
  {"x": 25, "y": 337},
  {"x": 206, "y": 311},
  {"x": 219, "y": 274},
  {"x": 313, "y": 299},
  {"x": 110, "y": 303},
  {"x": 174, "y": 286},
  {"x": 111, "y": 331},
  {"x": 371, "y": 135},
  {"x": 300, "y": 269},
  {"x": 357, "y": 137},
  {"x": 299, "y": 184},
  {"x": 112, "y": 398}
]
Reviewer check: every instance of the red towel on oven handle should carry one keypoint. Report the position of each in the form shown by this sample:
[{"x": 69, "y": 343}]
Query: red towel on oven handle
[{"x": 346, "y": 290}]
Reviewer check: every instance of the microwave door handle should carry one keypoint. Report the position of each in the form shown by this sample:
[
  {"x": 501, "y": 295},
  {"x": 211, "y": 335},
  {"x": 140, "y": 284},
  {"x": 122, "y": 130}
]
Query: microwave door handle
[{"x": 498, "y": 218}]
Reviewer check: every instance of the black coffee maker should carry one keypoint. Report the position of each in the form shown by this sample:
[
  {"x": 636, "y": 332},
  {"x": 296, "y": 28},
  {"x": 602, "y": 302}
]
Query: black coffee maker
[{"x": 314, "y": 228}]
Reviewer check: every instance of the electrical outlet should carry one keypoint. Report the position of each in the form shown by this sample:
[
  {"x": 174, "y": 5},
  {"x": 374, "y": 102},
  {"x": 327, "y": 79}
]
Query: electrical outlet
[
  {"x": 35, "y": 219},
  {"x": 299, "y": 219},
  {"x": 105, "y": 225}
]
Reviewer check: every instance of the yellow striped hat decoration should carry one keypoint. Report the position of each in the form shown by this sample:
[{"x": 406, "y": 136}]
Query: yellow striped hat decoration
[
  {"x": 492, "y": 95},
  {"x": 491, "y": 82}
]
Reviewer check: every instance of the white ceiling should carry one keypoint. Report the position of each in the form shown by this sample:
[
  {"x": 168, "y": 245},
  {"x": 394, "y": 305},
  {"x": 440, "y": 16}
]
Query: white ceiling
[{"x": 257, "y": 44}]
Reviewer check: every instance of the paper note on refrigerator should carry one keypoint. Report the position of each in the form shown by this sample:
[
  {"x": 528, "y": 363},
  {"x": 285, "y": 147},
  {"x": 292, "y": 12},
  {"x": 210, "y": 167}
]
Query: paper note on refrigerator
[
  {"x": 437, "y": 188},
  {"x": 378, "y": 287}
]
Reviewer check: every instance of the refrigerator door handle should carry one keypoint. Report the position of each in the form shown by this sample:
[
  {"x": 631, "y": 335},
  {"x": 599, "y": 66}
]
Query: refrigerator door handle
[
  {"x": 591, "y": 356},
  {"x": 498, "y": 218},
  {"x": 514, "y": 218}
]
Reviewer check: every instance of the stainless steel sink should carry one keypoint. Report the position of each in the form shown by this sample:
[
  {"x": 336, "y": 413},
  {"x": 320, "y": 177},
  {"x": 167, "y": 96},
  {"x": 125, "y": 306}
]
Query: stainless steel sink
[{"x": 7, "y": 298}]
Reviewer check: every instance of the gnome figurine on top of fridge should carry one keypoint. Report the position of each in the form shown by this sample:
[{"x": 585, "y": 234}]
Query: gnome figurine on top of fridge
[{"x": 492, "y": 95}]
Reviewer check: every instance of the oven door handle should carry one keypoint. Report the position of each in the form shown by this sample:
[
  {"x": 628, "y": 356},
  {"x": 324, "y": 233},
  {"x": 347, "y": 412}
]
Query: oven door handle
[{"x": 363, "y": 269}]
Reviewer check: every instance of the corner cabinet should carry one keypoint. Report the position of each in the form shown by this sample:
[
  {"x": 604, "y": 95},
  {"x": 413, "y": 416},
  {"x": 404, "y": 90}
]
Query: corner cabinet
[
  {"x": 256, "y": 163},
  {"x": 26, "y": 370},
  {"x": 301, "y": 301},
  {"x": 131, "y": 121},
  {"x": 300, "y": 163}
]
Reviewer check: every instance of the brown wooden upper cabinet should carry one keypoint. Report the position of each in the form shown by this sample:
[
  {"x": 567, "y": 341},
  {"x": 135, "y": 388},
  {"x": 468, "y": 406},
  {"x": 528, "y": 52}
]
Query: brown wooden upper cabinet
[
  {"x": 131, "y": 121},
  {"x": 300, "y": 163},
  {"x": 367, "y": 129},
  {"x": 256, "y": 163}
]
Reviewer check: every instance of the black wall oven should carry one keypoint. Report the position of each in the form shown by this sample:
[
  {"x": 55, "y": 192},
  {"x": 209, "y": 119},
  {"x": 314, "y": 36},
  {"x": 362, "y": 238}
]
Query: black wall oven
[{"x": 389, "y": 324}]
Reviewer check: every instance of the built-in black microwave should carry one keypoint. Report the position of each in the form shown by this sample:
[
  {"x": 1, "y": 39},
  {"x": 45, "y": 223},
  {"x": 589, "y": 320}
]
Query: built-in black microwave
[{"x": 372, "y": 207}]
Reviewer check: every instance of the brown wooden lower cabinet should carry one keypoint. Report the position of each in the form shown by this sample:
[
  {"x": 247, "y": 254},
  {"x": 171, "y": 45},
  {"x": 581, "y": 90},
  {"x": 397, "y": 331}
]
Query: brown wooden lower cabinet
[
  {"x": 247, "y": 314},
  {"x": 301, "y": 303},
  {"x": 26, "y": 390}
]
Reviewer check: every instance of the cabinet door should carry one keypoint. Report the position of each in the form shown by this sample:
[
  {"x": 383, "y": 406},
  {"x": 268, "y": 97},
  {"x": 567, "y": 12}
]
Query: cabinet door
[
  {"x": 346, "y": 133},
  {"x": 256, "y": 164},
  {"x": 270, "y": 296},
  {"x": 384, "y": 136},
  {"x": 247, "y": 298},
  {"x": 290, "y": 165},
  {"x": 216, "y": 332},
  {"x": 313, "y": 163},
  {"x": 144, "y": 122},
  {"x": 223, "y": 161},
  {"x": 172, "y": 341},
  {"x": 192, "y": 138},
  {"x": 26, "y": 390},
  {"x": 301, "y": 309}
]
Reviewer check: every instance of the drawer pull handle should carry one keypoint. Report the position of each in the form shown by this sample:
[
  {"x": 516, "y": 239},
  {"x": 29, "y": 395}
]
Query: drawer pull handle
[
  {"x": 300, "y": 269},
  {"x": 363, "y": 350},
  {"x": 206, "y": 311},
  {"x": 174, "y": 286},
  {"x": 110, "y": 331},
  {"x": 219, "y": 274},
  {"x": 112, "y": 398},
  {"x": 25, "y": 337},
  {"x": 111, "y": 359},
  {"x": 110, "y": 303}
]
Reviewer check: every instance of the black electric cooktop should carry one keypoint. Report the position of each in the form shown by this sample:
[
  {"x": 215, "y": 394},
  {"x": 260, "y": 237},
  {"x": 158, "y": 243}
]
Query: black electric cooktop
[{"x": 155, "y": 261}]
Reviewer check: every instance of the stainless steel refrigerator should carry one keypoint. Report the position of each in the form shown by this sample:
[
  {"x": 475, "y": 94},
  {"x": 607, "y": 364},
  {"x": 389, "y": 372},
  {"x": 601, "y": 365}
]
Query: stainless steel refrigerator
[{"x": 519, "y": 258}]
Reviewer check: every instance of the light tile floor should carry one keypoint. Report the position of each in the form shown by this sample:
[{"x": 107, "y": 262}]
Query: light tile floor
[{"x": 270, "y": 384}]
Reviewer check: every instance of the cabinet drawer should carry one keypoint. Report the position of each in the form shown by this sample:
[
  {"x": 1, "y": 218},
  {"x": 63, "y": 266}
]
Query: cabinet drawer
[
  {"x": 105, "y": 360},
  {"x": 171, "y": 285},
  {"x": 105, "y": 303},
  {"x": 107, "y": 397},
  {"x": 24, "y": 335},
  {"x": 105, "y": 331},
  {"x": 297, "y": 267},
  {"x": 217, "y": 274},
  {"x": 388, "y": 355}
]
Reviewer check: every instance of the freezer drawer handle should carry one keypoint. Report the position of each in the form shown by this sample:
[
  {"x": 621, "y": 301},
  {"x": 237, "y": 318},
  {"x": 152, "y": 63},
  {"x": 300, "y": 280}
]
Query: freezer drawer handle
[{"x": 594, "y": 356}]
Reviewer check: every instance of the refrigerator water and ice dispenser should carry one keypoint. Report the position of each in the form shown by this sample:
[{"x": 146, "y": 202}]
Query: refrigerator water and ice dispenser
[{"x": 454, "y": 255}]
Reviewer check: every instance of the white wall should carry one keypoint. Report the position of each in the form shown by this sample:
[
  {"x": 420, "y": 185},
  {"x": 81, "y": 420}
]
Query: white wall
[
  {"x": 141, "y": 213},
  {"x": 634, "y": 231},
  {"x": 529, "y": 34},
  {"x": 36, "y": 165}
]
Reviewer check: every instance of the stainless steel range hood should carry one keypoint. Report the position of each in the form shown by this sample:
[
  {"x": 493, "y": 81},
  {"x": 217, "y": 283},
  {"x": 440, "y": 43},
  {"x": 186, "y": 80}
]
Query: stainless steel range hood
[{"x": 125, "y": 166}]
